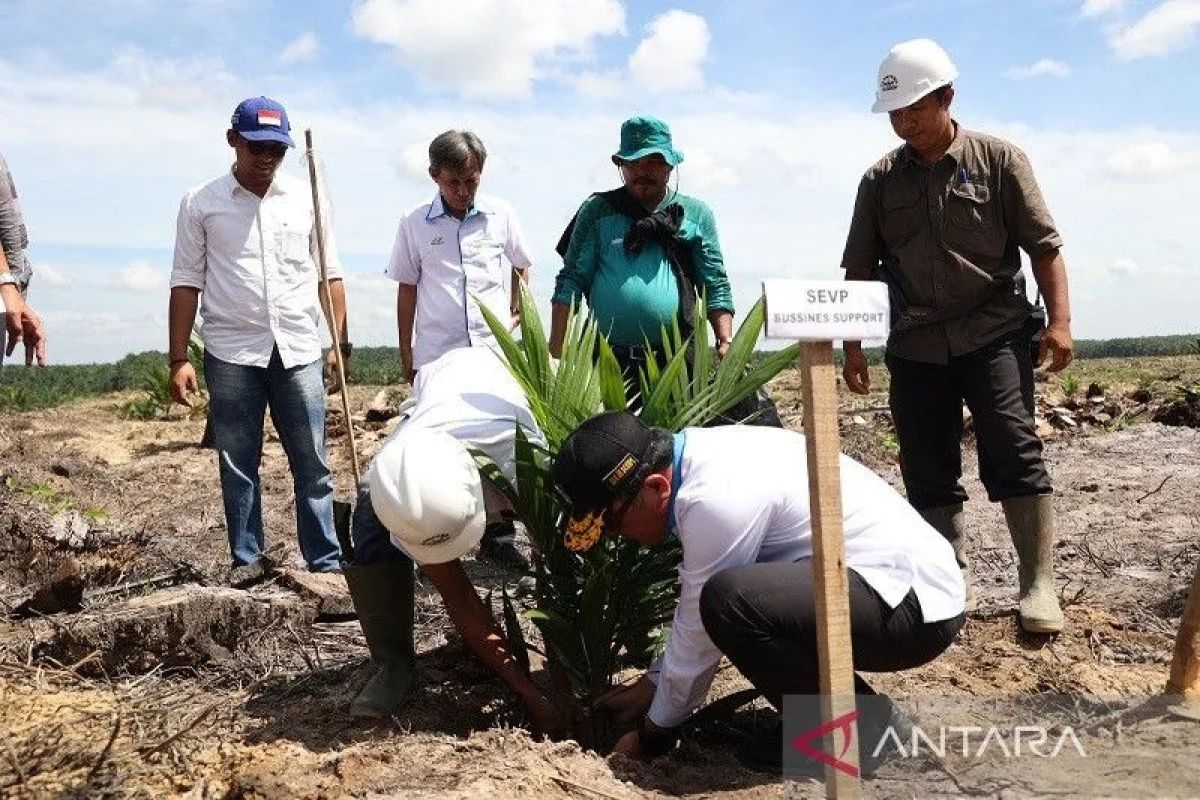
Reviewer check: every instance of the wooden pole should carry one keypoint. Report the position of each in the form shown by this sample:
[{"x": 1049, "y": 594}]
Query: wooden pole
[
  {"x": 829, "y": 561},
  {"x": 1184, "y": 681},
  {"x": 334, "y": 330}
]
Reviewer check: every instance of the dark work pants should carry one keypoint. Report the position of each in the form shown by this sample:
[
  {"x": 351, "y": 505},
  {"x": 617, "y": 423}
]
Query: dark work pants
[
  {"x": 763, "y": 617},
  {"x": 996, "y": 382}
]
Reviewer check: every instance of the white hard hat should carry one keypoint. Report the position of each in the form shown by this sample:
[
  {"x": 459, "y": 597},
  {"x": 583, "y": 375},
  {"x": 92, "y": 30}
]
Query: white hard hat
[
  {"x": 910, "y": 71},
  {"x": 426, "y": 490}
]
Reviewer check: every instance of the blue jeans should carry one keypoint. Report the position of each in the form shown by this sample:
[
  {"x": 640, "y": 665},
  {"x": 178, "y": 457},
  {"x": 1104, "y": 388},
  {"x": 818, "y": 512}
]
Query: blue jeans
[{"x": 239, "y": 396}]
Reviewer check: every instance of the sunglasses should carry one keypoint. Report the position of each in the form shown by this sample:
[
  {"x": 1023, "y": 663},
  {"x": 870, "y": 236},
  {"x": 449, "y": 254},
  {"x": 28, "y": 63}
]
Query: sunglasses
[
  {"x": 618, "y": 517},
  {"x": 274, "y": 149}
]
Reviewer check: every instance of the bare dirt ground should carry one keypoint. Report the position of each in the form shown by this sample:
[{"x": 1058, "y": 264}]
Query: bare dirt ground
[{"x": 167, "y": 683}]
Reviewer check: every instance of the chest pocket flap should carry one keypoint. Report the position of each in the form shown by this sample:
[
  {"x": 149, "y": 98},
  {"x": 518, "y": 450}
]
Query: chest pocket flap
[{"x": 970, "y": 205}]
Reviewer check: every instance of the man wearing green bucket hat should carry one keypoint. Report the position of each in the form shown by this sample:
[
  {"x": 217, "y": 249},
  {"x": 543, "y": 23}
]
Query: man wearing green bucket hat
[{"x": 640, "y": 254}]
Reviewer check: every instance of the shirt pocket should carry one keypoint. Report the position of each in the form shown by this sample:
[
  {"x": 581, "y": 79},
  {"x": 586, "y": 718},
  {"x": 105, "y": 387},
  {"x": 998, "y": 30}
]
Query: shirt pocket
[
  {"x": 900, "y": 215},
  {"x": 294, "y": 244},
  {"x": 969, "y": 205},
  {"x": 973, "y": 226},
  {"x": 487, "y": 265}
]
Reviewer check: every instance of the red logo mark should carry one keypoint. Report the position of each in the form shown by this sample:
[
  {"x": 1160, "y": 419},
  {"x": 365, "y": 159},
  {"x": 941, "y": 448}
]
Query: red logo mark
[{"x": 803, "y": 743}]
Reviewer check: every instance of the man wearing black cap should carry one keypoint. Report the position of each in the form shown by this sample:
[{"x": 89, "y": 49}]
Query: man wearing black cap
[
  {"x": 245, "y": 252},
  {"x": 746, "y": 576}
]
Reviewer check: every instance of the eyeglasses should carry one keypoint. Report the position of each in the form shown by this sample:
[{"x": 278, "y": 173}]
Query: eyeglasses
[
  {"x": 273, "y": 149},
  {"x": 615, "y": 520}
]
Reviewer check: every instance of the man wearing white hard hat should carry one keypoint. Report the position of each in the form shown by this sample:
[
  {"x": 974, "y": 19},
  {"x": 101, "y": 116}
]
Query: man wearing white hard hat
[
  {"x": 423, "y": 500},
  {"x": 943, "y": 220}
]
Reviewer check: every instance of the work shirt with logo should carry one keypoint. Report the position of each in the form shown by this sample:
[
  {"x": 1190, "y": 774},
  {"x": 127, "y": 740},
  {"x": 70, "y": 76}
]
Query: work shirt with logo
[
  {"x": 949, "y": 237},
  {"x": 14, "y": 239},
  {"x": 254, "y": 261},
  {"x": 453, "y": 263},
  {"x": 742, "y": 498},
  {"x": 635, "y": 297}
]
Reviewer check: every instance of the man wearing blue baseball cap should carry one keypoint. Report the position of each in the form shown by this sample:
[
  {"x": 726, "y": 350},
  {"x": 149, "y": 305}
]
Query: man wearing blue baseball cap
[
  {"x": 641, "y": 255},
  {"x": 245, "y": 254}
]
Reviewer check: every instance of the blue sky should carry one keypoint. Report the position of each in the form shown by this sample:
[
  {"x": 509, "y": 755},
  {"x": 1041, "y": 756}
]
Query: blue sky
[{"x": 113, "y": 108}]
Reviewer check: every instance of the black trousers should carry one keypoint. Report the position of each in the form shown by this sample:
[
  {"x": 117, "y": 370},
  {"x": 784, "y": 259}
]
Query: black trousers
[
  {"x": 996, "y": 382},
  {"x": 757, "y": 409},
  {"x": 763, "y": 617}
]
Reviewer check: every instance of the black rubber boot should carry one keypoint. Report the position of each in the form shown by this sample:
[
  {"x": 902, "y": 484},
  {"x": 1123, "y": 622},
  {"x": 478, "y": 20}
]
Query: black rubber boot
[{"x": 383, "y": 598}]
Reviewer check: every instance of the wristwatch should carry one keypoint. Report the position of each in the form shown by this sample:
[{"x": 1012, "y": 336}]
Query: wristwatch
[
  {"x": 8, "y": 277},
  {"x": 347, "y": 349},
  {"x": 657, "y": 742}
]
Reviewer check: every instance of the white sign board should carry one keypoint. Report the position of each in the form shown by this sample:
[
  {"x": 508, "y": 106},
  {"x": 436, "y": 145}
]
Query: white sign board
[{"x": 826, "y": 311}]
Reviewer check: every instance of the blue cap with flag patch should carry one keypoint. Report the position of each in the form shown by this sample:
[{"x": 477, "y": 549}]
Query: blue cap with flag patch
[{"x": 261, "y": 119}]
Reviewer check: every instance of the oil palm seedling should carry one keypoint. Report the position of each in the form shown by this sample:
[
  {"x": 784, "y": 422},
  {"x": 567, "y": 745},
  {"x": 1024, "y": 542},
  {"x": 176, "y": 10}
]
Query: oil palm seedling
[{"x": 606, "y": 608}]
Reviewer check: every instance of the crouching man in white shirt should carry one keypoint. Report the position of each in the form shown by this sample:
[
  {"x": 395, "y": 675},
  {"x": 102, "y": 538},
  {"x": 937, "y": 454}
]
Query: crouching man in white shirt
[
  {"x": 737, "y": 499},
  {"x": 424, "y": 500}
]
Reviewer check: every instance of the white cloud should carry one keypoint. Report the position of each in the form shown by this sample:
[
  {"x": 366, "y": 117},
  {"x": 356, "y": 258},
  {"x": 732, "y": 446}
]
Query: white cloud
[
  {"x": 487, "y": 48},
  {"x": 1046, "y": 67},
  {"x": 607, "y": 84},
  {"x": 669, "y": 58},
  {"x": 1148, "y": 159},
  {"x": 141, "y": 277},
  {"x": 170, "y": 83},
  {"x": 414, "y": 161},
  {"x": 49, "y": 275},
  {"x": 1167, "y": 28},
  {"x": 1096, "y": 8},
  {"x": 1124, "y": 266},
  {"x": 705, "y": 173},
  {"x": 302, "y": 48}
]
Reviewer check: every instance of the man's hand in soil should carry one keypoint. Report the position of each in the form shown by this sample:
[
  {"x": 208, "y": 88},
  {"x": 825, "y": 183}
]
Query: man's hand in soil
[
  {"x": 1058, "y": 344},
  {"x": 627, "y": 703},
  {"x": 23, "y": 326},
  {"x": 183, "y": 382},
  {"x": 648, "y": 742},
  {"x": 855, "y": 372}
]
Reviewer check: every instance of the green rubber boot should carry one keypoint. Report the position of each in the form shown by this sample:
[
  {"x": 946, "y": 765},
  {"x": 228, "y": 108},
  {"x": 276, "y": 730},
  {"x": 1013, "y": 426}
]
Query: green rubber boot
[
  {"x": 1031, "y": 524},
  {"x": 948, "y": 521},
  {"x": 383, "y": 598}
]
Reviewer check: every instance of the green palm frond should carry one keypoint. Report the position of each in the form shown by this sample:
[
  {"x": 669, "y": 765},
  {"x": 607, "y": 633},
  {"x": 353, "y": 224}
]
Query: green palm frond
[{"x": 601, "y": 609}]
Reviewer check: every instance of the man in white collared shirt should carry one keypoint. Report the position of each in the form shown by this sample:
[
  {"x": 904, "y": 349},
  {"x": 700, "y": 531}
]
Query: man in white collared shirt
[
  {"x": 245, "y": 250},
  {"x": 737, "y": 499},
  {"x": 450, "y": 254}
]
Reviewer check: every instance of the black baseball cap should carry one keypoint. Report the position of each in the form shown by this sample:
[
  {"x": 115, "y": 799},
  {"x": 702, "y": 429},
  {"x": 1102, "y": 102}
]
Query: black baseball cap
[{"x": 603, "y": 460}]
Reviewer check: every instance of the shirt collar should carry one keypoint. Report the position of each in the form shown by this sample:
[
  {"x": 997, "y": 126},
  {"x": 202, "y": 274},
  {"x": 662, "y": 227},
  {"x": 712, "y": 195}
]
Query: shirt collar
[
  {"x": 678, "y": 443},
  {"x": 438, "y": 209},
  {"x": 236, "y": 188},
  {"x": 954, "y": 151}
]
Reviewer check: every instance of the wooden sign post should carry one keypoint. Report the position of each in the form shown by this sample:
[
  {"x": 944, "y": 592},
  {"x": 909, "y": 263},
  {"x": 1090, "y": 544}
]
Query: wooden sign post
[
  {"x": 818, "y": 313},
  {"x": 1184, "y": 682}
]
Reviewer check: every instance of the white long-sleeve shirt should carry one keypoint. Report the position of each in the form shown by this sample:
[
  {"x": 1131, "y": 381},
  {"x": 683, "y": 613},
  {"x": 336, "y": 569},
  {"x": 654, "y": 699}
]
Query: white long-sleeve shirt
[
  {"x": 254, "y": 261},
  {"x": 470, "y": 394},
  {"x": 742, "y": 498}
]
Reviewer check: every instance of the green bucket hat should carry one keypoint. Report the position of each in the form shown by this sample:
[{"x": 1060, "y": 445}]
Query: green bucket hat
[{"x": 644, "y": 136}]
